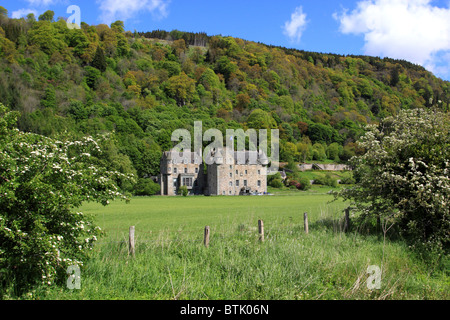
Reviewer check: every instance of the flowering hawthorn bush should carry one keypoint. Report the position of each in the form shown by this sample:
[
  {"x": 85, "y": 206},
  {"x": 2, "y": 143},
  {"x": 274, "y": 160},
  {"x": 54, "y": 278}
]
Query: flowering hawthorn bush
[
  {"x": 404, "y": 177},
  {"x": 42, "y": 182}
]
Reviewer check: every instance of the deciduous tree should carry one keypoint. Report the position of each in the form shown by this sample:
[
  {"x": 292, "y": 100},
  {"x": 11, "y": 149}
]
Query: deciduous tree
[{"x": 403, "y": 178}]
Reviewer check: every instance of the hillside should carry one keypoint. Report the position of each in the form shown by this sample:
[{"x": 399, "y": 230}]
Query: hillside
[{"x": 142, "y": 86}]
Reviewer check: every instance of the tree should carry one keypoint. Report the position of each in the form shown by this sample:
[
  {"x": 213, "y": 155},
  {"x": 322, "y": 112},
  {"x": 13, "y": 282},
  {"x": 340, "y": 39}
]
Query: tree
[
  {"x": 3, "y": 11},
  {"x": 92, "y": 77},
  {"x": 45, "y": 36},
  {"x": 49, "y": 100},
  {"x": 42, "y": 183},
  {"x": 7, "y": 48},
  {"x": 99, "y": 61},
  {"x": 47, "y": 16},
  {"x": 209, "y": 79},
  {"x": 146, "y": 187},
  {"x": 79, "y": 42},
  {"x": 333, "y": 151},
  {"x": 123, "y": 48},
  {"x": 31, "y": 17},
  {"x": 260, "y": 119},
  {"x": 118, "y": 26},
  {"x": 181, "y": 88},
  {"x": 403, "y": 178}
]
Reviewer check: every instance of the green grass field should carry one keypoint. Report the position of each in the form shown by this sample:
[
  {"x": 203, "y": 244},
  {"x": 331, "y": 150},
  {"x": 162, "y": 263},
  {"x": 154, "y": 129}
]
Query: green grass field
[{"x": 171, "y": 261}]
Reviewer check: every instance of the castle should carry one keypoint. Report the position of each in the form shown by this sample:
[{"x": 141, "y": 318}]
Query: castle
[{"x": 234, "y": 173}]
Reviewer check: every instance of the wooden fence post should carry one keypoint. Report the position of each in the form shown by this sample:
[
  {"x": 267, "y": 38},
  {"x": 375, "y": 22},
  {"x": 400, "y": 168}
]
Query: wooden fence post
[
  {"x": 347, "y": 219},
  {"x": 131, "y": 244},
  {"x": 206, "y": 236},
  {"x": 305, "y": 220},
  {"x": 261, "y": 230}
]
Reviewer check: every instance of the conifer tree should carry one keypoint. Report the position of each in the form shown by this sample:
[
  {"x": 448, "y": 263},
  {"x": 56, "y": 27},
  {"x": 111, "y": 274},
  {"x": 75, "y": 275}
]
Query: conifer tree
[{"x": 99, "y": 60}]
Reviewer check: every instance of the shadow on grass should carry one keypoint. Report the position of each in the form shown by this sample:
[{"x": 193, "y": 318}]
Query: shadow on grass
[{"x": 366, "y": 227}]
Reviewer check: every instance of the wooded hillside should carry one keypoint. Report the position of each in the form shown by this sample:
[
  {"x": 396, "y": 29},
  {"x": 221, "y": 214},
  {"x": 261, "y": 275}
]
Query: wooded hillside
[{"x": 141, "y": 86}]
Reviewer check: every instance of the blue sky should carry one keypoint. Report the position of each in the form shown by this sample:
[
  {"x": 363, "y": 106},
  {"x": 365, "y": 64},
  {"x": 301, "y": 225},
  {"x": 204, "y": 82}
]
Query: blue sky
[{"x": 413, "y": 30}]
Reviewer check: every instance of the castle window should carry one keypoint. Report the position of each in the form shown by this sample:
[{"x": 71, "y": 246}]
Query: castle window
[
  {"x": 259, "y": 171},
  {"x": 231, "y": 183},
  {"x": 185, "y": 170},
  {"x": 237, "y": 171},
  {"x": 245, "y": 183},
  {"x": 174, "y": 170},
  {"x": 231, "y": 175},
  {"x": 231, "y": 167},
  {"x": 187, "y": 182},
  {"x": 196, "y": 170},
  {"x": 237, "y": 183},
  {"x": 259, "y": 183},
  {"x": 246, "y": 171}
]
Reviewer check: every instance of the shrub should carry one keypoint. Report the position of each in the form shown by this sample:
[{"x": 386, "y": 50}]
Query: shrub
[
  {"x": 293, "y": 183},
  {"x": 42, "y": 182},
  {"x": 304, "y": 184},
  {"x": 183, "y": 191},
  {"x": 146, "y": 187},
  {"x": 403, "y": 178},
  {"x": 348, "y": 180},
  {"x": 272, "y": 177},
  {"x": 326, "y": 180},
  {"x": 276, "y": 183}
]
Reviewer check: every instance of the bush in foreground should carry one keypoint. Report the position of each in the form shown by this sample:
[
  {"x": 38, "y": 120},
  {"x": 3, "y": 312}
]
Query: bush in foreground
[
  {"x": 42, "y": 182},
  {"x": 403, "y": 178}
]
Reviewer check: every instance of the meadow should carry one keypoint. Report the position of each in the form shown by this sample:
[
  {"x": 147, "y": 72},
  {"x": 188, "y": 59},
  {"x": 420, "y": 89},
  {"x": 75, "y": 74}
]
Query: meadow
[{"x": 171, "y": 261}]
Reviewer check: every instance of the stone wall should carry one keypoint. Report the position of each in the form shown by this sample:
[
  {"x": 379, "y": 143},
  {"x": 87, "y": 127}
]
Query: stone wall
[{"x": 325, "y": 167}]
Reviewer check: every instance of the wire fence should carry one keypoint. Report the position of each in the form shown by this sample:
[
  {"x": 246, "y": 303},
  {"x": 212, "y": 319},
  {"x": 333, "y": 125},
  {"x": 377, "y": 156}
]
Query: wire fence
[{"x": 256, "y": 232}]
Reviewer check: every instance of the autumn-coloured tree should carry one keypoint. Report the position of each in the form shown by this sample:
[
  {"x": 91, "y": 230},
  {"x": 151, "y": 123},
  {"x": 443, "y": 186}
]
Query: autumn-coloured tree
[{"x": 181, "y": 88}]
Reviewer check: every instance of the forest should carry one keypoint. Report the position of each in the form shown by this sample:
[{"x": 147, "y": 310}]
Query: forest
[{"x": 136, "y": 88}]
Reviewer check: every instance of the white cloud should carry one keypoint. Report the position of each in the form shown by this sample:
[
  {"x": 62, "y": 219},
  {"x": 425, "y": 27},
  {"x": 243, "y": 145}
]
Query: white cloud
[
  {"x": 22, "y": 13},
  {"x": 413, "y": 30},
  {"x": 113, "y": 10},
  {"x": 295, "y": 27}
]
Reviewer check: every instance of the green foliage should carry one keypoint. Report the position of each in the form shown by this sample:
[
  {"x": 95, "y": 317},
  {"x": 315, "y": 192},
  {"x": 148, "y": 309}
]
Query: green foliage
[
  {"x": 402, "y": 178},
  {"x": 183, "y": 191},
  {"x": 276, "y": 183},
  {"x": 92, "y": 77},
  {"x": 47, "y": 16},
  {"x": 99, "y": 60},
  {"x": 181, "y": 88},
  {"x": 260, "y": 119},
  {"x": 46, "y": 37},
  {"x": 209, "y": 80},
  {"x": 146, "y": 187},
  {"x": 326, "y": 180},
  {"x": 42, "y": 183},
  {"x": 304, "y": 184},
  {"x": 185, "y": 77},
  {"x": 49, "y": 100}
]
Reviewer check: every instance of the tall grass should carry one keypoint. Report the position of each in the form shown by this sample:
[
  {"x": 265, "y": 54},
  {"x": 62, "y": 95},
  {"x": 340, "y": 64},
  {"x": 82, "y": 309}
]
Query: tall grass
[{"x": 172, "y": 263}]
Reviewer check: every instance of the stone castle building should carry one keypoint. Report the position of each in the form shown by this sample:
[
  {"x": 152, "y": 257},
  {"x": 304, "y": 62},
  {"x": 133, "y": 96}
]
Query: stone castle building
[{"x": 242, "y": 172}]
